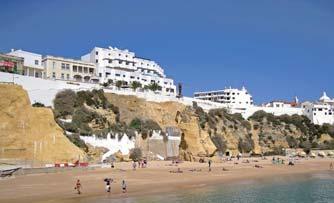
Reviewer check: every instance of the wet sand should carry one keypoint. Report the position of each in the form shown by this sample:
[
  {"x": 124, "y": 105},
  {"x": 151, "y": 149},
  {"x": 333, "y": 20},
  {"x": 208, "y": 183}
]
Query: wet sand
[{"x": 156, "y": 179}]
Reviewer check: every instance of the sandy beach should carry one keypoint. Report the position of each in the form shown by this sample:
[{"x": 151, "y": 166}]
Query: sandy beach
[{"x": 155, "y": 179}]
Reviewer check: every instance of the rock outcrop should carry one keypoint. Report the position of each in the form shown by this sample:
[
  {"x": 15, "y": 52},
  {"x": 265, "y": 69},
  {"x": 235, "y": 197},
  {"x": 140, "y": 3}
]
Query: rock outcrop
[{"x": 31, "y": 133}]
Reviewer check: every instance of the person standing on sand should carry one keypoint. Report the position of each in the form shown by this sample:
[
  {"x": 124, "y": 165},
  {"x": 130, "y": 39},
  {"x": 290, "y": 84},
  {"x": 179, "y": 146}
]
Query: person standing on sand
[
  {"x": 209, "y": 162},
  {"x": 78, "y": 187},
  {"x": 331, "y": 166},
  {"x": 134, "y": 165},
  {"x": 124, "y": 190}
]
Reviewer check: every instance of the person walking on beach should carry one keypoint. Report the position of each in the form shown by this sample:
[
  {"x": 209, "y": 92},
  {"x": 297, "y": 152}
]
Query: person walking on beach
[
  {"x": 124, "y": 186},
  {"x": 108, "y": 181},
  {"x": 209, "y": 162},
  {"x": 331, "y": 166},
  {"x": 134, "y": 165},
  {"x": 78, "y": 187}
]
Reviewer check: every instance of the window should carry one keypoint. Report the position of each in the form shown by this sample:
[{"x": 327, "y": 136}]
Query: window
[
  {"x": 53, "y": 65},
  {"x": 63, "y": 66},
  {"x": 53, "y": 75},
  {"x": 117, "y": 75},
  {"x": 97, "y": 60},
  {"x": 36, "y": 62},
  {"x": 91, "y": 70},
  {"x": 132, "y": 77},
  {"x": 100, "y": 74},
  {"x": 123, "y": 76},
  {"x": 67, "y": 66},
  {"x": 62, "y": 76},
  {"x": 96, "y": 53},
  {"x": 314, "y": 114},
  {"x": 80, "y": 69},
  {"x": 67, "y": 76},
  {"x": 85, "y": 70},
  {"x": 75, "y": 68}
]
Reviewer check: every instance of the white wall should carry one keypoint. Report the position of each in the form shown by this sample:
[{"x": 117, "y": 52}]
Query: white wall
[{"x": 41, "y": 90}]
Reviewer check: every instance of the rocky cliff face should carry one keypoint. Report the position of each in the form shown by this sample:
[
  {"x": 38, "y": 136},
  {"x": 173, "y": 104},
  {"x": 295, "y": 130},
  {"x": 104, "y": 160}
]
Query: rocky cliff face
[
  {"x": 30, "y": 133},
  {"x": 218, "y": 132}
]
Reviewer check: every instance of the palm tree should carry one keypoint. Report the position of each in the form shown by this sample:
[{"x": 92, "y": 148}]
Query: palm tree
[
  {"x": 154, "y": 87},
  {"x": 135, "y": 85},
  {"x": 119, "y": 84}
]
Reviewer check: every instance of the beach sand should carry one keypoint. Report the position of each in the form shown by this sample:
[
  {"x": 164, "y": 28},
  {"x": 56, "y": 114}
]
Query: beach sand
[{"x": 156, "y": 179}]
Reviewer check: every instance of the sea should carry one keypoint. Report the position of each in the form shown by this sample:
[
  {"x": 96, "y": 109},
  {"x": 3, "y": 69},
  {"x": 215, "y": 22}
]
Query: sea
[{"x": 307, "y": 188}]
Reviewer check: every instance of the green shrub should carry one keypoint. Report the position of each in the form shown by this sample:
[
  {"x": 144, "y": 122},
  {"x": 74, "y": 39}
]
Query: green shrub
[
  {"x": 136, "y": 124},
  {"x": 75, "y": 139},
  {"x": 64, "y": 103},
  {"x": 38, "y": 104},
  {"x": 136, "y": 154},
  {"x": 292, "y": 142}
]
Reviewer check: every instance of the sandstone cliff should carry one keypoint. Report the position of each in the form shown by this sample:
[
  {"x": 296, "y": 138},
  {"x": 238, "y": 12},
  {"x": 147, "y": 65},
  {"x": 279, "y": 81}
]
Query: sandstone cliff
[{"x": 31, "y": 133}]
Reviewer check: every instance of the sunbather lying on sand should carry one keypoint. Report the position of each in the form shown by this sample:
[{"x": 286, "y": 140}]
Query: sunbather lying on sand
[
  {"x": 195, "y": 170},
  {"x": 176, "y": 171},
  {"x": 258, "y": 166}
]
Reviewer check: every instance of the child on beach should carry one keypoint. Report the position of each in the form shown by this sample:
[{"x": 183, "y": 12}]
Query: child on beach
[
  {"x": 78, "y": 187},
  {"x": 124, "y": 186}
]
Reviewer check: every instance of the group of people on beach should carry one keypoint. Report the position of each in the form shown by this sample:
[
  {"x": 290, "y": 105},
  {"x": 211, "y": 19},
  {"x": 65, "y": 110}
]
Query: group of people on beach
[
  {"x": 141, "y": 164},
  {"x": 108, "y": 181}
]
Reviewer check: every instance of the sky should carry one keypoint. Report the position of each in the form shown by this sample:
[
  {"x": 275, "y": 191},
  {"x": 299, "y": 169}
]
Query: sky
[{"x": 276, "y": 49}]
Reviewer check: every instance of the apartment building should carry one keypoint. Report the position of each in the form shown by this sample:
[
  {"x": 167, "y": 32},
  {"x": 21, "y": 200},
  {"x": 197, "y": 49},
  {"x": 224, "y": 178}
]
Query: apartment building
[
  {"x": 60, "y": 68},
  {"x": 123, "y": 65},
  {"x": 32, "y": 63}
]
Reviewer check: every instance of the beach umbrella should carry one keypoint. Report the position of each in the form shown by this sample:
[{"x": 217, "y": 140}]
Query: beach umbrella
[
  {"x": 330, "y": 153},
  {"x": 322, "y": 154},
  {"x": 302, "y": 154},
  {"x": 312, "y": 155}
]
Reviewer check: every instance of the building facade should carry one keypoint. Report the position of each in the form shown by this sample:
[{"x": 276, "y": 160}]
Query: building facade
[
  {"x": 60, "y": 68},
  {"x": 32, "y": 65},
  {"x": 230, "y": 96},
  {"x": 240, "y": 101},
  {"x": 321, "y": 111},
  {"x": 122, "y": 65},
  {"x": 11, "y": 64}
]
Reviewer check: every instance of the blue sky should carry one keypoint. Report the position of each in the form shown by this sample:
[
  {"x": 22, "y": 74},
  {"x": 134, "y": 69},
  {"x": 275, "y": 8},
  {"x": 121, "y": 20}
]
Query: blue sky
[{"x": 277, "y": 49}]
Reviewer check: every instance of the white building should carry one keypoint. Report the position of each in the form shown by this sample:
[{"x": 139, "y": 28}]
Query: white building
[
  {"x": 32, "y": 63},
  {"x": 122, "y": 65},
  {"x": 320, "y": 112},
  {"x": 231, "y": 97}
]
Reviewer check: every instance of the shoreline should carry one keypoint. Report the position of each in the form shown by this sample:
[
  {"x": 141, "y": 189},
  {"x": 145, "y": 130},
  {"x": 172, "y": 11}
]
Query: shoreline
[{"x": 154, "y": 180}]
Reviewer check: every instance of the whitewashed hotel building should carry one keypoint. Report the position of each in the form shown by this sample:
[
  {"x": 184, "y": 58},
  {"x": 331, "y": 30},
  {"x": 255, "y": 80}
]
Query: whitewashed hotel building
[
  {"x": 32, "y": 63},
  {"x": 232, "y": 97},
  {"x": 122, "y": 65},
  {"x": 321, "y": 111},
  {"x": 240, "y": 101}
]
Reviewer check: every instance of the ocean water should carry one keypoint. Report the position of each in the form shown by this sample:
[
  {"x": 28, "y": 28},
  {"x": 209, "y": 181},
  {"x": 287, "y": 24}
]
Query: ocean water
[{"x": 317, "y": 188}]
